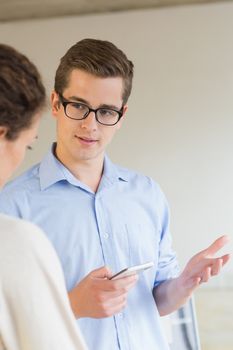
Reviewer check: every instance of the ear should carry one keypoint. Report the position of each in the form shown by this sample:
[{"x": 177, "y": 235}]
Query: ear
[
  {"x": 125, "y": 108},
  {"x": 55, "y": 103},
  {"x": 3, "y": 132}
]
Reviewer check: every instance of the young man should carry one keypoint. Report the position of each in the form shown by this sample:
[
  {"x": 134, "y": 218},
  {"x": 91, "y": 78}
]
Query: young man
[{"x": 100, "y": 217}]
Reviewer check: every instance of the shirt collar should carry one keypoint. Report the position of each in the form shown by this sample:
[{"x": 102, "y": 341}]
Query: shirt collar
[
  {"x": 58, "y": 172},
  {"x": 112, "y": 172},
  {"x": 54, "y": 174}
]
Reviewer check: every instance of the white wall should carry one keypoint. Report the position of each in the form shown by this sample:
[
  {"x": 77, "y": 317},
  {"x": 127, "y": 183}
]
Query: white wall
[{"x": 180, "y": 121}]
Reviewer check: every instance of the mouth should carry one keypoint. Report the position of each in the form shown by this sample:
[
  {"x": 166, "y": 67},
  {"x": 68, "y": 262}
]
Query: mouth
[{"x": 86, "y": 140}]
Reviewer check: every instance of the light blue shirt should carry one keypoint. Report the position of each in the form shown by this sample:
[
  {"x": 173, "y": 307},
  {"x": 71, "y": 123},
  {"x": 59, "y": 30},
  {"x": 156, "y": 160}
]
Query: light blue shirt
[{"x": 125, "y": 223}]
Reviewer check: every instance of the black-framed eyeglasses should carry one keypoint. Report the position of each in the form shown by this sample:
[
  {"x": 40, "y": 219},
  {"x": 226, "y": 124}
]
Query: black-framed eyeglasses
[{"x": 79, "y": 111}]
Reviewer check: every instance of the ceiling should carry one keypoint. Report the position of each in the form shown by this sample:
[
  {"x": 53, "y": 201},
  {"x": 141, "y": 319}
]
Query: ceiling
[{"x": 11, "y": 10}]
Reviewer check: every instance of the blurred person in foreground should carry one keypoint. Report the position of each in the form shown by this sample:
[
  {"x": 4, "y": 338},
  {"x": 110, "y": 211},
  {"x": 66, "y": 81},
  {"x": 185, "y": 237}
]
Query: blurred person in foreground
[{"x": 35, "y": 313}]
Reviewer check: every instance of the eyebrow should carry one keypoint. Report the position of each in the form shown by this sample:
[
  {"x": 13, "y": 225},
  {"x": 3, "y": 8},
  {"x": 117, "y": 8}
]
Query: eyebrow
[{"x": 104, "y": 105}]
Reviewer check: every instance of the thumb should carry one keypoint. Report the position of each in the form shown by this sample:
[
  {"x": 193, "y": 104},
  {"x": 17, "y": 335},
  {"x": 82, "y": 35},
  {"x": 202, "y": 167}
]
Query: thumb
[{"x": 102, "y": 272}]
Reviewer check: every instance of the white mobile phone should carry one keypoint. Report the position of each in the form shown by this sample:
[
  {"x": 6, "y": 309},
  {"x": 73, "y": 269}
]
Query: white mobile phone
[{"x": 132, "y": 270}]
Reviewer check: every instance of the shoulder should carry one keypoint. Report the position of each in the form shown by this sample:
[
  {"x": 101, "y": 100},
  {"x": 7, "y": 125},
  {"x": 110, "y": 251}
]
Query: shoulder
[
  {"x": 26, "y": 181},
  {"x": 21, "y": 234},
  {"x": 11, "y": 226},
  {"x": 138, "y": 179},
  {"x": 143, "y": 187},
  {"x": 24, "y": 244},
  {"x": 14, "y": 197}
]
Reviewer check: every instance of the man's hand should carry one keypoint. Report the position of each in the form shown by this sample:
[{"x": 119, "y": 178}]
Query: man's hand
[
  {"x": 172, "y": 294},
  {"x": 204, "y": 265},
  {"x": 96, "y": 296}
]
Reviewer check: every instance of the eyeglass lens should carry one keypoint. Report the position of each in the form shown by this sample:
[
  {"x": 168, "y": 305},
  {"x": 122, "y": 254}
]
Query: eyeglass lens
[{"x": 103, "y": 115}]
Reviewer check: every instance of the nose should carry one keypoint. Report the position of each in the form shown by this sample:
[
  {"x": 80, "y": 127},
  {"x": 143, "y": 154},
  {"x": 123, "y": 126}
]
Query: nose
[{"x": 89, "y": 122}]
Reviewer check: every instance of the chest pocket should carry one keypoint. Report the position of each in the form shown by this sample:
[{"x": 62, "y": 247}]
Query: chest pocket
[
  {"x": 137, "y": 243},
  {"x": 143, "y": 242}
]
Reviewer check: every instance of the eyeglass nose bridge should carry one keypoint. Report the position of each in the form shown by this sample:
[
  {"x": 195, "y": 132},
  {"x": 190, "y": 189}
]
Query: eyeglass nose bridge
[{"x": 89, "y": 111}]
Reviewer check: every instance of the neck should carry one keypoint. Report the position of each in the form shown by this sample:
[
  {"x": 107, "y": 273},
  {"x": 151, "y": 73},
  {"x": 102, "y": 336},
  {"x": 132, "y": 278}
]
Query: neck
[{"x": 88, "y": 171}]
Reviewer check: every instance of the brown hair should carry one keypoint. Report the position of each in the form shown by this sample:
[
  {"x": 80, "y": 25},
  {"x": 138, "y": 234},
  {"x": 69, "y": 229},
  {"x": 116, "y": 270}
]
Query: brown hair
[
  {"x": 22, "y": 93},
  {"x": 97, "y": 57}
]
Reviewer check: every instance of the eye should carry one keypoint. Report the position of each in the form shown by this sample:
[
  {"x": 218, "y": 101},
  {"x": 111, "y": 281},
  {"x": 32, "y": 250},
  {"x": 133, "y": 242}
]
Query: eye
[
  {"x": 79, "y": 106},
  {"x": 107, "y": 112},
  {"x": 29, "y": 148}
]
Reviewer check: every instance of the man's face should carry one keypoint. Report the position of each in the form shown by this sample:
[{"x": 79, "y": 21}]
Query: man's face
[{"x": 86, "y": 139}]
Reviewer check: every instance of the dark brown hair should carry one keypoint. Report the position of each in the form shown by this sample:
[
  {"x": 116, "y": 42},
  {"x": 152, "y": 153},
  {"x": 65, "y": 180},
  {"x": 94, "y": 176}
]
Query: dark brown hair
[
  {"x": 22, "y": 94},
  {"x": 100, "y": 58}
]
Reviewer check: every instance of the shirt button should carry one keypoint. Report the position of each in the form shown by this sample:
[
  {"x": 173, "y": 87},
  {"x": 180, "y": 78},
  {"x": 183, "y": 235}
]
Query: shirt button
[
  {"x": 121, "y": 315},
  {"x": 106, "y": 235}
]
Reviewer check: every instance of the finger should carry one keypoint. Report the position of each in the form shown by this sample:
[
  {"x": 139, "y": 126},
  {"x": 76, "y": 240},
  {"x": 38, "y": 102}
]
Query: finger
[
  {"x": 216, "y": 245},
  {"x": 206, "y": 275},
  {"x": 198, "y": 268},
  {"x": 112, "y": 306},
  {"x": 102, "y": 272},
  {"x": 195, "y": 268},
  {"x": 126, "y": 288},
  {"x": 225, "y": 259},
  {"x": 126, "y": 281},
  {"x": 121, "y": 286},
  {"x": 222, "y": 260},
  {"x": 217, "y": 267},
  {"x": 115, "y": 285},
  {"x": 112, "y": 294},
  {"x": 118, "y": 300},
  {"x": 114, "y": 309},
  {"x": 115, "y": 294},
  {"x": 106, "y": 300}
]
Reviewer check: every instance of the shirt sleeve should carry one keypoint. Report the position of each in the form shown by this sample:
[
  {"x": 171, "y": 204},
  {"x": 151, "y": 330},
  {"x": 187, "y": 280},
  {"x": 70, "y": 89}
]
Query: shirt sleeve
[{"x": 168, "y": 266}]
